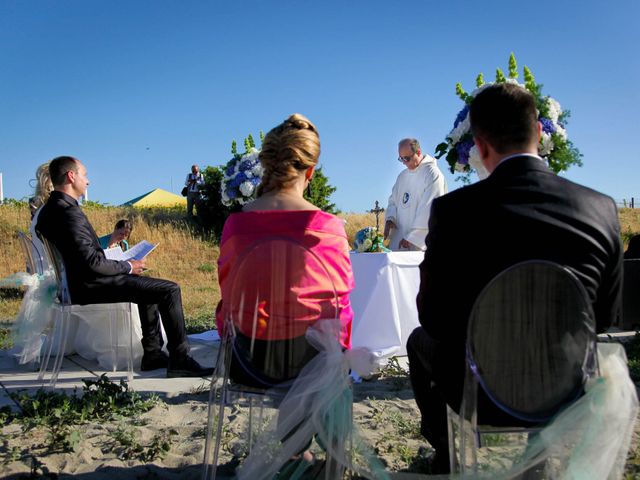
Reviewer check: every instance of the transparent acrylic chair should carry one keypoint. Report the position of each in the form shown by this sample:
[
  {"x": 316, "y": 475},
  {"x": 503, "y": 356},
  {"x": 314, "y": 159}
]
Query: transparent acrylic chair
[
  {"x": 120, "y": 317},
  {"x": 531, "y": 345},
  {"x": 34, "y": 262},
  {"x": 270, "y": 305}
]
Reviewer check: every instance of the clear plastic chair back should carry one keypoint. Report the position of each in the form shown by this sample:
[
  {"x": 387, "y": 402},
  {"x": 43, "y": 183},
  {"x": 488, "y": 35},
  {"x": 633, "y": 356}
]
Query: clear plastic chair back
[
  {"x": 531, "y": 339},
  {"x": 58, "y": 337},
  {"x": 33, "y": 261},
  {"x": 531, "y": 347}
]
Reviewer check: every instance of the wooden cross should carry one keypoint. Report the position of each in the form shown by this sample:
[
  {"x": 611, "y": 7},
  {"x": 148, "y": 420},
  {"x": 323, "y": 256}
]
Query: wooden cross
[{"x": 377, "y": 211}]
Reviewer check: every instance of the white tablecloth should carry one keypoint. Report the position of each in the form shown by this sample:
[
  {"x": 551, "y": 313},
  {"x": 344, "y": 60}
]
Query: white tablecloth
[{"x": 384, "y": 299}]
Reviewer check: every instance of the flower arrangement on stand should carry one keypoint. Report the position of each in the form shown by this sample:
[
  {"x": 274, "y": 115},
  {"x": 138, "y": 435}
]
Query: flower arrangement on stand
[
  {"x": 369, "y": 239},
  {"x": 555, "y": 147},
  {"x": 241, "y": 175}
]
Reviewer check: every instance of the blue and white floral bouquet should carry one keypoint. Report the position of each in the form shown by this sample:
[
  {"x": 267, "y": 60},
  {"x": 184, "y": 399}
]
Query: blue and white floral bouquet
[
  {"x": 463, "y": 156},
  {"x": 242, "y": 175},
  {"x": 368, "y": 239}
]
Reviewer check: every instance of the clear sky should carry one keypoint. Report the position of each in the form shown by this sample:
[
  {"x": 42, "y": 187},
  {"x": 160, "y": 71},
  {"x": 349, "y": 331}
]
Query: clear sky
[{"x": 140, "y": 90}]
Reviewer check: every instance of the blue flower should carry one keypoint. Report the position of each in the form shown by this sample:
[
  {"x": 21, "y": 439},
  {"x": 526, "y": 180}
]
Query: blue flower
[
  {"x": 547, "y": 125},
  {"x": 255, "y": 181},
  {"x": 237, "y": 180},
  {"x": 230, "y": 170},
  {"x": 246, "y": 165},
  {"x": 462, "y": 114},
  {"x": 231, "y": 193},
  {"x": 463, "y": 151}
]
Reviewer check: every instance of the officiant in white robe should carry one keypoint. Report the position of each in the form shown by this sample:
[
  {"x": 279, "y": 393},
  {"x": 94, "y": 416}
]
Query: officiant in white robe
[{"x": 407, "y": 213}]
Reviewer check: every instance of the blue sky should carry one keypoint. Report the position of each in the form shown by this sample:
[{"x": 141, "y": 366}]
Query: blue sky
[{"x": 140, "y": 90}]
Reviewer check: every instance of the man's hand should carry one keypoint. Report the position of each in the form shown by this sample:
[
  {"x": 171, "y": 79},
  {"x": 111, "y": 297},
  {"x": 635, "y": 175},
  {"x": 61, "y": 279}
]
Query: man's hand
[
  {"x": 407, "y": 245},
  {"x": 137, "y": 266},
  {"x": 387, "y": 228}
]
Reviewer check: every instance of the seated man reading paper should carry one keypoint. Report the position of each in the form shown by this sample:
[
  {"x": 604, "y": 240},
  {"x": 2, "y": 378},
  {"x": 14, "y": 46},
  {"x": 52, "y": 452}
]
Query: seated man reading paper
[{"x": 93, "y": 278}]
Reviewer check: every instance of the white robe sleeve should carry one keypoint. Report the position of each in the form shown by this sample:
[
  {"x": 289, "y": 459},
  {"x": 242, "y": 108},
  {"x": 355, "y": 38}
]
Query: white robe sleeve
[
  {"x": 391, "y": 213},
  {"x": 435, "y": 186}
]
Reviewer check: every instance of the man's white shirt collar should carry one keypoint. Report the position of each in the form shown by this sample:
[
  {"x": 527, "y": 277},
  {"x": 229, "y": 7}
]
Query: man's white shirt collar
[{"x": 519, "y": 155}]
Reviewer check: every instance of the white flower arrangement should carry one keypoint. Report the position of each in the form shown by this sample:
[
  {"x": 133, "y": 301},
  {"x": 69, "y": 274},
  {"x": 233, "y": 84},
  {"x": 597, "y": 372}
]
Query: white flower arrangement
[
  {"x": 242, "y": 175},
  {"x": 461, "y": 152}
]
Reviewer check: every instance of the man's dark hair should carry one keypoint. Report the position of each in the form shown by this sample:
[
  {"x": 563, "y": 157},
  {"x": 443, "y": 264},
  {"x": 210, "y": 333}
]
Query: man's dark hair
[
  {"x": 59, "y": 167},
  {"x": 123, "y": 224},
  {"x": 505, "y": 116}
]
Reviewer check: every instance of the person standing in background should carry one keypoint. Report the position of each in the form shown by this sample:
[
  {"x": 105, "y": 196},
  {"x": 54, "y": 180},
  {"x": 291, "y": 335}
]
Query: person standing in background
[
  {"x": 193, "y": 183},
  {"x": 407, "y": 214}
]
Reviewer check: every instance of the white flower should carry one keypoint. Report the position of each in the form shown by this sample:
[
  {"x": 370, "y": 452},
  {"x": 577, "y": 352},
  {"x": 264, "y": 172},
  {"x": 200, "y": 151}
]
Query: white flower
[
  {"x": 257, "y": 170},
  {"x": 561, "y": 132},
  {"x": 459, "y": 167},
  {"x": 546, "y": 144},
  {"x": 225, "y": 198},
  {"x": 479, "y": 89},
  {"x": 463, "y": 127},
  {"x": 367, "y": 244},
  {"x": 248, "y": 173},
  {"x": 476, "y": 163},
  {"x": 554, "y": 109},
  {"x": 247, "y": 188}
]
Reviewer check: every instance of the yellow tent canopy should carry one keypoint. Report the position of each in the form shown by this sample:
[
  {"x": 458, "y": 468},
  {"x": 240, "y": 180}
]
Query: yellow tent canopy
[{"x": 157, "y": 198}]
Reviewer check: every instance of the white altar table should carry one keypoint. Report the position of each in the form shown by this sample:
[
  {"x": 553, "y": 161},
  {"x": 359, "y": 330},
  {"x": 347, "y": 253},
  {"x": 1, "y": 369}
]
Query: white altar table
[{"x": 384, "y": 299}]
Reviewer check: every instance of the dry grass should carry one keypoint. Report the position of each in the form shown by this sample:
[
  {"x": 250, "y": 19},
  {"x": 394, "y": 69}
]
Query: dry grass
[
  {"x": 629, "y": 223},
  {"x": 357, "y": 221},
  {"x": 184, "y": 255}
]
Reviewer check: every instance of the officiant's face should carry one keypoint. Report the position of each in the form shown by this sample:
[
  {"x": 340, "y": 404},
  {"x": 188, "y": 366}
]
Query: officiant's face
[{"x": 411, "y": 160}]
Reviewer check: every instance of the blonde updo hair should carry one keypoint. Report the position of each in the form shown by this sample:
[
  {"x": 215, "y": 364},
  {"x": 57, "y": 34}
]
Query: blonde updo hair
[
  {"x": 287, "y": 150},
  {"x": 43, "y": 188}
]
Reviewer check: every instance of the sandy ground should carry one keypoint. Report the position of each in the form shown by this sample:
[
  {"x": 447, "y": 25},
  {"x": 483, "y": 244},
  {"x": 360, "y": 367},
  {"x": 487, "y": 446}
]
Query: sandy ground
[{"x": 384, "y": 409}]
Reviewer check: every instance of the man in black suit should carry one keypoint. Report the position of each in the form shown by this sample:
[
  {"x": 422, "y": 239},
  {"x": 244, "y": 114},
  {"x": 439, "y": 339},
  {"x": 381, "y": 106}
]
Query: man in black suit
[
  {"x": 522, "y": 211},
  {"x": 92, "y": 278}
]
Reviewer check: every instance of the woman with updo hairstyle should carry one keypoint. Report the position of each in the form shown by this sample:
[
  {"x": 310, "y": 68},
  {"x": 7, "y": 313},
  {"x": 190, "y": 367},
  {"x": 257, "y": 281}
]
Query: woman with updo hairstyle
[
  {"x": 43, "y": 190},
  {"x": 288, "y": 157}
]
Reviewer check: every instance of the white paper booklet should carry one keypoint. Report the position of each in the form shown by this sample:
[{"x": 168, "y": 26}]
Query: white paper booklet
[{"x": 137, "y": 252}]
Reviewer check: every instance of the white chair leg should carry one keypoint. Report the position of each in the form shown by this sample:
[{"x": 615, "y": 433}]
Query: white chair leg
[
  {"x": 62, "y": 343},
  {"x": 214, "y": 424},
  {"x": 129, "y": 328},
  {"x": 451, "y": 431},
  {"x": 48, "y": 344}
]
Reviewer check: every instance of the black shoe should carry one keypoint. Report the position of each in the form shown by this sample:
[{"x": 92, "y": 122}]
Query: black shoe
[
  {"x": 187, "y": 367},
  {"x": 438, "y": 463},
  {"x": 154, "y": 361}
]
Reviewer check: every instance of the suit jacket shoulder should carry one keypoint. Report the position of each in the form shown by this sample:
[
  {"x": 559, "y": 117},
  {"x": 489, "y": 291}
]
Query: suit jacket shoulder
[
  {"x": 523, "y": 211},
  {"x": 64, "y": 224}
]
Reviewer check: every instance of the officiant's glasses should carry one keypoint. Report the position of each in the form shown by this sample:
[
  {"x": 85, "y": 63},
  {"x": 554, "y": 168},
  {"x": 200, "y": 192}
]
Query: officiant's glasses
[{"x": 402, "y": 159}]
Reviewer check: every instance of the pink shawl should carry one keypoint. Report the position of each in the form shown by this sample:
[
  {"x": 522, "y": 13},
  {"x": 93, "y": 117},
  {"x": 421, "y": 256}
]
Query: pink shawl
[{"x": 320, "y": 232}]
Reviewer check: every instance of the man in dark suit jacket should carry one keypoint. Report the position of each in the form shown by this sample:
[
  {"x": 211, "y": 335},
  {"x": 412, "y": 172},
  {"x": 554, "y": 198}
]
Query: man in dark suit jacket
[
  {"x": 522, "y": 211},
  {"x": 92, "y": 278}
]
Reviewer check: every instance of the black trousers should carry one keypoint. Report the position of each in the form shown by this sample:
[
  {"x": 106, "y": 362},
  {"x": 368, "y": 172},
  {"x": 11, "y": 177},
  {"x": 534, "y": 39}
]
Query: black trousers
[
  {"x": 430, "y": 379},
  {"x": 157, "y": 300},
  {"x": 437, "y": 370}
]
